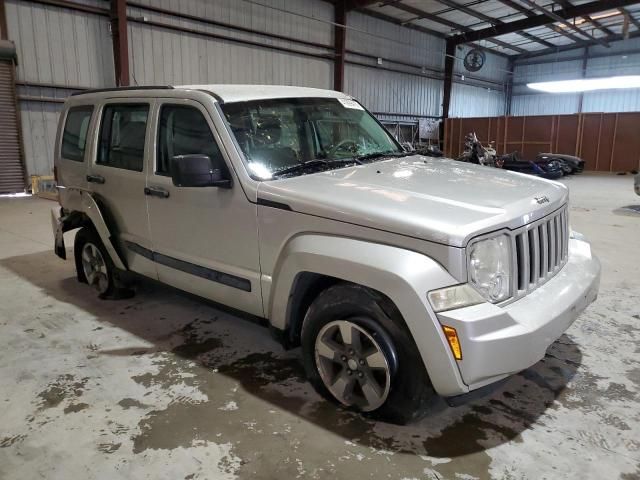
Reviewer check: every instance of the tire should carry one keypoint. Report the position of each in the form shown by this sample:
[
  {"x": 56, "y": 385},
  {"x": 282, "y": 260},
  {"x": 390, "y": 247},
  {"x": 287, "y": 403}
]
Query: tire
[
  {"x": 94, "y": 265},
  {"x": 403, "y": 391}
]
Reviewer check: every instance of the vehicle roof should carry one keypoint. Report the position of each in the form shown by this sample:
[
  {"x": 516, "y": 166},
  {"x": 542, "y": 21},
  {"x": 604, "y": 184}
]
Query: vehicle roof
[
  {"x": 224, "y": 93},
  {"x": 243, "y": 93}
]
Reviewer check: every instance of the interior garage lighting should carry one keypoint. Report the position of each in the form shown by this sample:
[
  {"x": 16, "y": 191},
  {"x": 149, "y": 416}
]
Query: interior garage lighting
[{"x": 587, "y": 84}]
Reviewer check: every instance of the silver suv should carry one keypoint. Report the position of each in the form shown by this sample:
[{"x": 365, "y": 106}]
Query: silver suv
[{"x": 402, "y": 277}]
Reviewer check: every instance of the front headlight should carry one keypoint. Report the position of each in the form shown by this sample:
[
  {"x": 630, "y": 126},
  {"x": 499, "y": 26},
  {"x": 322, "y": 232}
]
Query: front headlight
[{"x": 490, "y": 267}]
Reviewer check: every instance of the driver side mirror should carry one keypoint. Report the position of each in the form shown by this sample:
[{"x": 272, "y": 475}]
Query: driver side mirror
[{"x": 198, "y": 171}]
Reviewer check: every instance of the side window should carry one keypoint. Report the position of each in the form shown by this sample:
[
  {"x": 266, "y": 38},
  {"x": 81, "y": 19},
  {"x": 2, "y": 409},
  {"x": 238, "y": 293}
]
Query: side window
[
  {"x": 74, "y": 137},
  {"x": 183, "y": 130},
  {"x": 122, "y": 134}
]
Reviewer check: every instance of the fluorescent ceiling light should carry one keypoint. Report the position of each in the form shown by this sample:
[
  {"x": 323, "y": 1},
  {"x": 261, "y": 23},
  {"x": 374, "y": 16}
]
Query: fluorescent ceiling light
[{"x": 587, "y": 84}]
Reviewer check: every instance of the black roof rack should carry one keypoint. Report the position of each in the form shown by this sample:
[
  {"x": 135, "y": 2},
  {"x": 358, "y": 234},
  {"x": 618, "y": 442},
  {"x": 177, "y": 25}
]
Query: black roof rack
[{"x": 123, "y": 89}]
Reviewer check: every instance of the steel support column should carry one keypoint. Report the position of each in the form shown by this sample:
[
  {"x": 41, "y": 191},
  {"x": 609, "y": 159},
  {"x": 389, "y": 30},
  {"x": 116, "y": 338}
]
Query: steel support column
[
  {"x": 120, "y": 40},
  {"x": 4, "y": 34},
  {"x": 508, "y": 94},
  {"x": 585, "y": 62},
  {"x": 449, "y": 59},
  {"x": 339, "y": 43}
]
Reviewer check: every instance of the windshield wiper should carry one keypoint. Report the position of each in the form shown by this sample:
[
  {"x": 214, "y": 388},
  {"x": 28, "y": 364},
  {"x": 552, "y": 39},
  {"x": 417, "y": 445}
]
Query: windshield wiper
[
  {"x": 375, "y": 155},
  {"x": 316, "y": 162}
]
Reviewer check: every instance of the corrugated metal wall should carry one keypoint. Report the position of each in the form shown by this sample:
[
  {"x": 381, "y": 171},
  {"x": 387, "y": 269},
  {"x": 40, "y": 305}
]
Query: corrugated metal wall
[
  {"x": 471, "y": 101},
  {"x": 566, "y": 66},
  {"x": 486, "y": 97},
  {"x": 391, "y": 92},
  {"x": 61, "y": 50},
  {"x": 161, "y": 55},
  {"x": 407, "y": 89},
  {"x": 55, "y": 46},
  {"x": 393, "y": 87}
]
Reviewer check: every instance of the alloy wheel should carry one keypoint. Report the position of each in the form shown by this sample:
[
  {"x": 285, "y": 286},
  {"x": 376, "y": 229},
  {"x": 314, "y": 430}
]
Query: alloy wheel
[
  {"x": 94, "y": 267},
  {"x": 352, "y": 365}
]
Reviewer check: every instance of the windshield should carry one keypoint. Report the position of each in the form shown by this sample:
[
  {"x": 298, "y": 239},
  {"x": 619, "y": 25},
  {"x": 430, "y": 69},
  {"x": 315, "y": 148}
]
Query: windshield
[{"x": 294, "y": 136}]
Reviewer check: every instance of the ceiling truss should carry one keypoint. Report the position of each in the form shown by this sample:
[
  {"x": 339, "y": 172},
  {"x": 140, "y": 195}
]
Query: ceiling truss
[{"x": 579, "y": 25}]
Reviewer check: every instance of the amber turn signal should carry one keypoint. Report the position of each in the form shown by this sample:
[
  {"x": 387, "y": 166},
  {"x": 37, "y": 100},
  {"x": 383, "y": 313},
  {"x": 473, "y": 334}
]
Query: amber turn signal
[{"x": 454, "y": 343}]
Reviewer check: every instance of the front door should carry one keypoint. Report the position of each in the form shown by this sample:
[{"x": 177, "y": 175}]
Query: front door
[
  {"x": 204, "y": 238},
  {"x": 117, "y": 179}
]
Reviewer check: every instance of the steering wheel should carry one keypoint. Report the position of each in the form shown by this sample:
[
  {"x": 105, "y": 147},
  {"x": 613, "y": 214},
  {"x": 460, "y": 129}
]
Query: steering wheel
[{"x": 340, "y": 146}]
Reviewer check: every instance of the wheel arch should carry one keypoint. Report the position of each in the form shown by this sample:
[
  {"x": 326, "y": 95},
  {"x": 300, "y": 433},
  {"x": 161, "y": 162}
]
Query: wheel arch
[
  {"x": 86, "y": 211},
  {"x": 310, "y": 263}
]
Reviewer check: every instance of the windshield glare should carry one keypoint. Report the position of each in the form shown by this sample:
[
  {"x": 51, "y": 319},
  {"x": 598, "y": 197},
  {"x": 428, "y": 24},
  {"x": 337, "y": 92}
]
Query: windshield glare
[{"x": 278, "y": 134}]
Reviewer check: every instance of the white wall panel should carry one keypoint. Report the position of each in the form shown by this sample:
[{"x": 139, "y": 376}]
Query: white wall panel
[
  {"x": 162, "y": 56},
  {"x": 302, "y": 19},
  {"x": 383, "y": 39},
  {"x": 545, "y": 72},
  {"x": 544, "y": 104},
  {"x": 612, "y": 101},
  {"x": 39, "y": 124},
  {"x": 391, "y": 92},
  {"x": 471, "y": 101},
  {"x": 59, "y": 46}
]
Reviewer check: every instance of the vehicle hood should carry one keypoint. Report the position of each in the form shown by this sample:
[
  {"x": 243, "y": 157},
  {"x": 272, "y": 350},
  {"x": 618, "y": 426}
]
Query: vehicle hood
[{"x": 435, "y": 199}]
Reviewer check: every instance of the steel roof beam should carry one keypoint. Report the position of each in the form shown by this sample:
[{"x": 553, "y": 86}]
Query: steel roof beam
[
  {"x": 353, "y": 4},
  {"x": 548, "y": 51},
  {"x": 420, "y": 14},
  {"x": 554, "y": 28},
  {"x": 557, "y": 18},
  {"x": 595, "y": 23},
  {"x": 633, "y": 20},
  {"x": 492, "y": 21},
  {"x": 541, "y": 20},
  {"x": 420, "y": 28}
]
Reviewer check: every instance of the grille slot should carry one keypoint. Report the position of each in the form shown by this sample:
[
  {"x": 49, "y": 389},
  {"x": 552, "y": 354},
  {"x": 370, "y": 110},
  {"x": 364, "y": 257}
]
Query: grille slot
[{"x": 541, "y": 250}]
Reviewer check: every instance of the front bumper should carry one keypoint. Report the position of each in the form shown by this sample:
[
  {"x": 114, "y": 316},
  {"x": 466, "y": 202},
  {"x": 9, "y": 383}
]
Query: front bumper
[{"x": 499, "y": 341}]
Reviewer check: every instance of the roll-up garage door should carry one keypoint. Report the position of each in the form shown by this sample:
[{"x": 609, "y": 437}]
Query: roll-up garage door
[{"x": 12, "y": 177}]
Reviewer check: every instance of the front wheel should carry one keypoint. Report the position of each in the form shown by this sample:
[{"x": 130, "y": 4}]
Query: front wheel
[
  {"x": 353, "y": 366},
  {"x": 358, "y": 352}
]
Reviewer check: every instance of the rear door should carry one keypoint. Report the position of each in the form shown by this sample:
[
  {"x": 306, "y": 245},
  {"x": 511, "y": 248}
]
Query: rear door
[
  {"x": 117, "y": 178},
  {"x": 205, "y": 238}
]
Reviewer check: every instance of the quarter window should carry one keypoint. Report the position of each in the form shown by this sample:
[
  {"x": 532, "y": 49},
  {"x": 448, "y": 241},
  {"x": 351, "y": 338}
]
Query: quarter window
[
  {"x": 122, "y": 136},
  {"x": 74, "y": 137},
  {"x": 184, "y": 130}
]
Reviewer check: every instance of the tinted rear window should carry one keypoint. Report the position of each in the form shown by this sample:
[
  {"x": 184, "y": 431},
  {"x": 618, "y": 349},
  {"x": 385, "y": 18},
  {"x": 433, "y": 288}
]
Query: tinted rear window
[{"x": 74, "y": 138}]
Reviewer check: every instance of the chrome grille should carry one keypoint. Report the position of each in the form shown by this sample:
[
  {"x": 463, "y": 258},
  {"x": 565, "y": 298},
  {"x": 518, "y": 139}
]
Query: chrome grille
[{"x": 541, "y": 250}]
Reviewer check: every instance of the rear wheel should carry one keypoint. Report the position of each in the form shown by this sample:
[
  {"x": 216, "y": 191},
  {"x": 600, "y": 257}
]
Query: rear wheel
[
  {"x": 94, "y": 265},
  {"x": 358, "y": 351}
]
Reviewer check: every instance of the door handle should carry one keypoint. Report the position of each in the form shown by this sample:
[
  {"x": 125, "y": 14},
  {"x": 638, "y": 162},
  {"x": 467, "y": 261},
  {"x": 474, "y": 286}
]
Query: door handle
[
  {"x": 95, "y": 179},
  {"x": 156, "y": 192}
]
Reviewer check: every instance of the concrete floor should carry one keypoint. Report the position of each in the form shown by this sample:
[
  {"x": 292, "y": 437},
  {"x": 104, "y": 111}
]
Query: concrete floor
[{"x": 162, "y": 386}]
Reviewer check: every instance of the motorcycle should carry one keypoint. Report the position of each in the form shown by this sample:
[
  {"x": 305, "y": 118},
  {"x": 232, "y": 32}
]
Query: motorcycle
[{"x": 475, "y": 152}]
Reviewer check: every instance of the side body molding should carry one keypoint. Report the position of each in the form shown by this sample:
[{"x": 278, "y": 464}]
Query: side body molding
[
  {"x": 403, "y": 275},
  {"x": 83, "y": 201}
]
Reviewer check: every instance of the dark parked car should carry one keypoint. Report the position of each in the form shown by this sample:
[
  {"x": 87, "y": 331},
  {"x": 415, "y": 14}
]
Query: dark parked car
[
  {"x": 570, "y": 163},
  {"x": 546, "y": 168}
]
